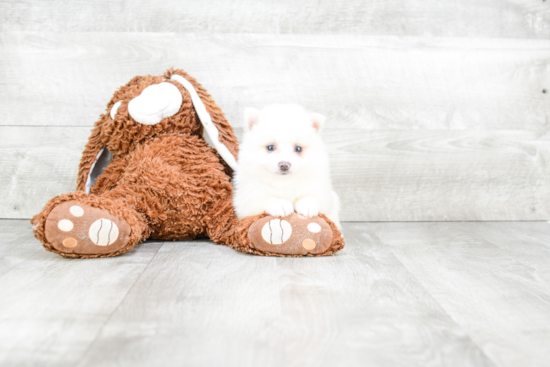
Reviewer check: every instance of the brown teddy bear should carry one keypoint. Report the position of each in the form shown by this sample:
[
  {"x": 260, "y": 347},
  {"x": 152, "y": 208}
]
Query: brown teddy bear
[{"x": 159, "y": 165}]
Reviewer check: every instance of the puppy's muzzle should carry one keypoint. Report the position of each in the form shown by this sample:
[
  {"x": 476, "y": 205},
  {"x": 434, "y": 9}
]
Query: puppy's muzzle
[{"x": 284, "y": 166}]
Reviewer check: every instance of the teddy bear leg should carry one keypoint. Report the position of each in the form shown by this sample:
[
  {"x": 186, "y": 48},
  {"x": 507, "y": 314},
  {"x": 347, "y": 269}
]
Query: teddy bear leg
[
  {"x": 292, "y": 236},
  {"x": 80, "y": 225}
]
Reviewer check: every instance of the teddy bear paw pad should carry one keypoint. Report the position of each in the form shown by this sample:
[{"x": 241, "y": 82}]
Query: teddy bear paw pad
[
  {"x": 292, "y": 235},
  {"x": 74, "y": 227}
]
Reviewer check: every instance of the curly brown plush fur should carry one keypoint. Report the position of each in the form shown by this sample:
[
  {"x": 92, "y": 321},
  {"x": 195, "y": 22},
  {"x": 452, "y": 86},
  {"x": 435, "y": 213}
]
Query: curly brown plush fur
[
  {"x": 121, "y": 135},
  {"x": 164, "y": 180}
]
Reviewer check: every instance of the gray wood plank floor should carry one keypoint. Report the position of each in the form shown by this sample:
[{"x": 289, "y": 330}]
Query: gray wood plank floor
[{"x": 400, "y": 294}]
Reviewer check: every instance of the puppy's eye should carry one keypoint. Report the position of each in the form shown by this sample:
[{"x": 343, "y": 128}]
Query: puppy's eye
[
  {"x": 270, "y": 148},
  {"x": 298, "y": 149}
]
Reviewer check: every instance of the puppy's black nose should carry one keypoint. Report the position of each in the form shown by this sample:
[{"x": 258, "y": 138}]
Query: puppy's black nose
[{"x": 284, "y": 166}]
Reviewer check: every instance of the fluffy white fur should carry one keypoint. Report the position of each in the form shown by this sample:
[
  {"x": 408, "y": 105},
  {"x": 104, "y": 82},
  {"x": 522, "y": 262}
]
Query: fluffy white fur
[{"x": 261, "y": 185}]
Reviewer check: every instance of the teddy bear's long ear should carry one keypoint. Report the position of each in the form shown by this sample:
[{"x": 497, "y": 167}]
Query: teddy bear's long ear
[
  {"x": 94, "y": 158},
  {"x": 216, "y": 127}
]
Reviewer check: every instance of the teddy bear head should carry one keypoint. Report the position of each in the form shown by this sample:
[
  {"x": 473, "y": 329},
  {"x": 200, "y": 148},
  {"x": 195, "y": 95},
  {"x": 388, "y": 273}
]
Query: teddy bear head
[{"x": 150, "y": 105}]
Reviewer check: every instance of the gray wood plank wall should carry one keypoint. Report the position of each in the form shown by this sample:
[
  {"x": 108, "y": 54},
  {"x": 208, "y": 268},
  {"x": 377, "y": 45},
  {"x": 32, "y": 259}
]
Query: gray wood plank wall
[{"x": 436, "y": 109}]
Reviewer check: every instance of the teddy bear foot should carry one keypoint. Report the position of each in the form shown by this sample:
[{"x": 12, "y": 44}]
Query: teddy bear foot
[
  {"x": 295, "y": 235},
  {"x": 75, "y": 229}
]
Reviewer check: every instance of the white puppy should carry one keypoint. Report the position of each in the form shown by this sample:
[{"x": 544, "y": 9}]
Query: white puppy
[{"x": 283, "y": 165}]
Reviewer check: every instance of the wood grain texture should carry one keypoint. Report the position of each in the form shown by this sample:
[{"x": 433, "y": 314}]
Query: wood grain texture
[
  {"x": 441, "y": 175},
  {"x": 51, "y": 308},
  {"x": 479, "y": 18},
  {"x": 380, "y": 175},
  {"x": 529, "y": 246},
  {"x": 198, "y": 304},
  {"x": 17, "y": 244},
  {"x": 37, "y": 163},
  {"x": 399, "y": 294},
  {"x": 501, "y": 301},
  {"x": 381, "y": 82}
]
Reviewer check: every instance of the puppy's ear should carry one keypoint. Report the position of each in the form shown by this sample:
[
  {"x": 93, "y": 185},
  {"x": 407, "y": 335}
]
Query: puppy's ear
[
  {"x": 251, "y": 118},
  {"x": 318, "y": 121}
]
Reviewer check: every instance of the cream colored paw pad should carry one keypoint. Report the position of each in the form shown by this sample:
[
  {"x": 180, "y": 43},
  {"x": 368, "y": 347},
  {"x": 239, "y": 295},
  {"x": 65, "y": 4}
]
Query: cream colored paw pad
[
  {"x": 65, "y": 225},
  {"x": 103, "y": 232},
  {"x": 76, "y": 211},
  {"x": 276, "y": 231},
  {"x": 314, "y": 228}
]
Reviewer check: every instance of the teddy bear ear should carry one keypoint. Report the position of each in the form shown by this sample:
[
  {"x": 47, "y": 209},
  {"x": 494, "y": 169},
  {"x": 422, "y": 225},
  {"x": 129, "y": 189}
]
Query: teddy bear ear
[
  {"x": 251, "y": 118},
  {"x": 318, "y": 121}
]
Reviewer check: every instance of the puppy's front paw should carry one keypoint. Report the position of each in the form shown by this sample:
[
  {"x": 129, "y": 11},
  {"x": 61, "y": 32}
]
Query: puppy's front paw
[
  {"x": 307, "y": 207},
  {"x": 279, "y": 207}
]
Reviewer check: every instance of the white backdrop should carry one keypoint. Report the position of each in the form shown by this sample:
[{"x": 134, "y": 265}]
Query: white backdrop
[{"x": 435, "y": 109}]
